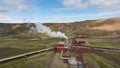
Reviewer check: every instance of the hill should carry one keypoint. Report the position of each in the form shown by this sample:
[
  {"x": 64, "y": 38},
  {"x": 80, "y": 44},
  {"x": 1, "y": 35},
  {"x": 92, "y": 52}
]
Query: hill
[
  {"x": 99, "y": 27},
  {"x": 110, "y": 26},
  {"x": 104, "y": 24}
]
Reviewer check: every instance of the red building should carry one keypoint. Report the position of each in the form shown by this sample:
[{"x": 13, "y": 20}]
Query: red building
[
  {"x": 61, "y": 47},
  {"x": 79, "y": 41}
]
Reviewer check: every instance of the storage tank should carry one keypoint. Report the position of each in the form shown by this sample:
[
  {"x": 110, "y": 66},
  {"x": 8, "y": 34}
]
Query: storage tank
[{"x": 73, "y": 63}]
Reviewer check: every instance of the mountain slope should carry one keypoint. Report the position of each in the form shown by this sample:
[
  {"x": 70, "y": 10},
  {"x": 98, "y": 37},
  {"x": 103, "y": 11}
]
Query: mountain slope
[
  {"x": 102, "y": 24},
  {"x": 100, "y": 27},
  {"x": 108, "y": 24}
]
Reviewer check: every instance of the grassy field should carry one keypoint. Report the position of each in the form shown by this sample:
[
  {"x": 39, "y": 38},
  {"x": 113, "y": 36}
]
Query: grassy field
[
  {"x": 114, "y": 55},
  {"x": 12, "y": 47},
  {"x": 35, "y": 61},
  {"x": 103, "y": 63},
  {"x": 15, "y": 47},
  {"x": 99, "y": 61},
  {"x": 103, "y": 43}
]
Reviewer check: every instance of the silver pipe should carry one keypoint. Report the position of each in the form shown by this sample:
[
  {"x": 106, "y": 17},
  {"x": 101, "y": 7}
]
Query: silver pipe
[{"x": 61, "y": 56}]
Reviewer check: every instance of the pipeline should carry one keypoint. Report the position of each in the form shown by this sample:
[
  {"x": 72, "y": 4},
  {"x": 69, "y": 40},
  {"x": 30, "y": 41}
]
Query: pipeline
[
  {"x": 100, "y": 48},
  {"x": 63, "y": 58},
  {"x": 25, "y": 55}
]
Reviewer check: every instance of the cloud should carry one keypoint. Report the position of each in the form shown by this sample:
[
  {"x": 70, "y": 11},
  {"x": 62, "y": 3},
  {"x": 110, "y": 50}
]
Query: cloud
[
  {"x": 23, "y": 7},
  {"x": 5, "y": 18},
  {"x": 78, "y": 17},
  {"x": 12, "y": 1},
  {"x": 87, "y": 3},
  {"x": 105, "y": 3},
  {"x": 74, "y": 3},
  {"x": 19, "y": 5},
  {"x": 3, "y": 9},
  {"x": 108, "y": 13},
  {"x": 57, "y": 17}
]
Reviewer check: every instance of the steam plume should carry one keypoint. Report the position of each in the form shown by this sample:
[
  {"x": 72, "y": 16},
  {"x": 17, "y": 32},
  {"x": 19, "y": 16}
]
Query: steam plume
[{"x": 44, "y": 29}]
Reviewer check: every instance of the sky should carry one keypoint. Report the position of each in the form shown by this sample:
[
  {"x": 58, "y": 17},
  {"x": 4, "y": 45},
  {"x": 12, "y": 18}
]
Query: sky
[{"x": 58, "y": 11}]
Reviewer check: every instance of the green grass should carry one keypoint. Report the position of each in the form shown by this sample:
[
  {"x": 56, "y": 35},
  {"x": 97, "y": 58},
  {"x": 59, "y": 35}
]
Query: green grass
[
  {"x": 103, "y": 63},
  {"x": 103, "y": 43},
  {"x": 12, "y": 47},
  {"x": 35, "y": 61},
  {"x": 8, "y": 52},
  {"x": 15, "y": 47},
  {"x": 114, "y": 55}
]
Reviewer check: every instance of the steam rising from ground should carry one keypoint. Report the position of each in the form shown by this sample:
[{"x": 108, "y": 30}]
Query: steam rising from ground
[{"x": 44, "y": 29}]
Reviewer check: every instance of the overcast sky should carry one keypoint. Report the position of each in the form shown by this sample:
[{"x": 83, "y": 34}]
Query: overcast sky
[{"x": 17, "y": 11}]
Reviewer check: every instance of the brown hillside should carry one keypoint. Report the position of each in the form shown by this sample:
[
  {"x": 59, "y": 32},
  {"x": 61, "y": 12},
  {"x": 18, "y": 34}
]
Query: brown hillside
[
  {"x": 102, "y": 24},
  {"x": 108, "y": 24}
]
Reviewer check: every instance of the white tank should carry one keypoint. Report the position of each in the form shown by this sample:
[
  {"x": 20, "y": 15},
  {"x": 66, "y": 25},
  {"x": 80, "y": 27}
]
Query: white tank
[{"x": 72, "y": 61}]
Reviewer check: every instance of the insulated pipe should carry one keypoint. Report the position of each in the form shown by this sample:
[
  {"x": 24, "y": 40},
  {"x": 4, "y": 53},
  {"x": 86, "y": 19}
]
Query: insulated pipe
[
  {"x": 61, "y": 56},
  {"x": 25, "y": 55},
  {"x": 67, "y": 43}
]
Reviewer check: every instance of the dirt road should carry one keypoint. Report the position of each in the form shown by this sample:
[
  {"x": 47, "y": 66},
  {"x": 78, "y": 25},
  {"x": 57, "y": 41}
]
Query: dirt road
[{"x": 57, "y": 63}]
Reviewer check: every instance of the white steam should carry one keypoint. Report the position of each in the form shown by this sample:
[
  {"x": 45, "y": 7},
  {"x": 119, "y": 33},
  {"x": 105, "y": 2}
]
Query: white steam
[{"x": 44, "y": 29}]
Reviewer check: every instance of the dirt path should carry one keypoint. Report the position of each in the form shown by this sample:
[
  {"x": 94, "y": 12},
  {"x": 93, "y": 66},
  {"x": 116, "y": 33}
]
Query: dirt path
[{"x": 57, "y": 63}]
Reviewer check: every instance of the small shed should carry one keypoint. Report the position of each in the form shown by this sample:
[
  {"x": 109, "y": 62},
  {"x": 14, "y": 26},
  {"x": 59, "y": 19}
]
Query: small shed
[{"x": 61, "y": 47}]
